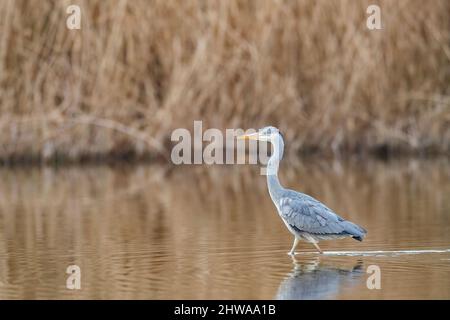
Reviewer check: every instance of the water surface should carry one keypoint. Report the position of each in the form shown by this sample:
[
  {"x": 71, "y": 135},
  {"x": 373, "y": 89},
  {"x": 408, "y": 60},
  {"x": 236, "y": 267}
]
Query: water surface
[{"x": 212, "y": 232}]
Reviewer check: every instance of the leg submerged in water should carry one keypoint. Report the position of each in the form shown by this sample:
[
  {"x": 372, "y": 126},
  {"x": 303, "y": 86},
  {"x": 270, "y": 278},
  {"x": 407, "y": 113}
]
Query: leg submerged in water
[
  {"x": 292, "y": 252},
  {"x": 314, "y": 242},
  {"x": 317, "y": 247}
]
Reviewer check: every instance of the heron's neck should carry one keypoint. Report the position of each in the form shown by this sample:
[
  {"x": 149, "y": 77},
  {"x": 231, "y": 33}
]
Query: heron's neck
[{"x": 275, "y": 188}]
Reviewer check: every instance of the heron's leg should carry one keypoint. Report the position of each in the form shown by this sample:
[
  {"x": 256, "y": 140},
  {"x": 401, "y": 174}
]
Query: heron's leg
[
  {"x": 317, "y": 247},
  {"x": 292, "y": 252}
]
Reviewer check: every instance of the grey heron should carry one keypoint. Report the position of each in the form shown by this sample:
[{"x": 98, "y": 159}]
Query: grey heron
[{"x": 306, "y": 218}]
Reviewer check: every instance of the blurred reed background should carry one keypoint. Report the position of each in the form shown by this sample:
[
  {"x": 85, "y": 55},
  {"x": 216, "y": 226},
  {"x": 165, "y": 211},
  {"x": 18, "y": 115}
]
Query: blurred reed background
[{"x": 139, "y": 69}]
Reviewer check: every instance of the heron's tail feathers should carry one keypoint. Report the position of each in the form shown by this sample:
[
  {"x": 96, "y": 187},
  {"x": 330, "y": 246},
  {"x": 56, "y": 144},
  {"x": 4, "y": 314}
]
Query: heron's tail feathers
[{"x": 357, "y": 232}]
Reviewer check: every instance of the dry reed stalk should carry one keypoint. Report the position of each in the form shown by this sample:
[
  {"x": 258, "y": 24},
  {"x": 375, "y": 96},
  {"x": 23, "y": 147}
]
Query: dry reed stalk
[{"x": 311, "y": 68}]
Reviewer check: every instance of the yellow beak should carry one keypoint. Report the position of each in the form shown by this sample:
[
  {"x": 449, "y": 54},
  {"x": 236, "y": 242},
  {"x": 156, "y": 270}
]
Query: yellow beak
[{"x": 252, "y": 136}]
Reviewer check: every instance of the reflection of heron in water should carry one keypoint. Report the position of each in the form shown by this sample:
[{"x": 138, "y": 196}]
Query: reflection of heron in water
[
  {"x": 305, "y": 217},
  {"x": 310, "y": 280}
]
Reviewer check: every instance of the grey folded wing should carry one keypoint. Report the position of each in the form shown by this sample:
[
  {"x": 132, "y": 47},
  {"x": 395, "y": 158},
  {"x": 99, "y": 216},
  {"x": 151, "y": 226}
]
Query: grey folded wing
[{"x": 306, "y": 214}]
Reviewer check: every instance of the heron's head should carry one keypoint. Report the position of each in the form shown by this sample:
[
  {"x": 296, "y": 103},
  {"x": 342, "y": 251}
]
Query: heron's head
[{"x": 264, "y": 134}]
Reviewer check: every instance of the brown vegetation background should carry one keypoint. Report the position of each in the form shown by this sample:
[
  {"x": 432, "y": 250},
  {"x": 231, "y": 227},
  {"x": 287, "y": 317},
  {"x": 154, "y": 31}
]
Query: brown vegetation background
[{"x": 139, "y": 69}]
